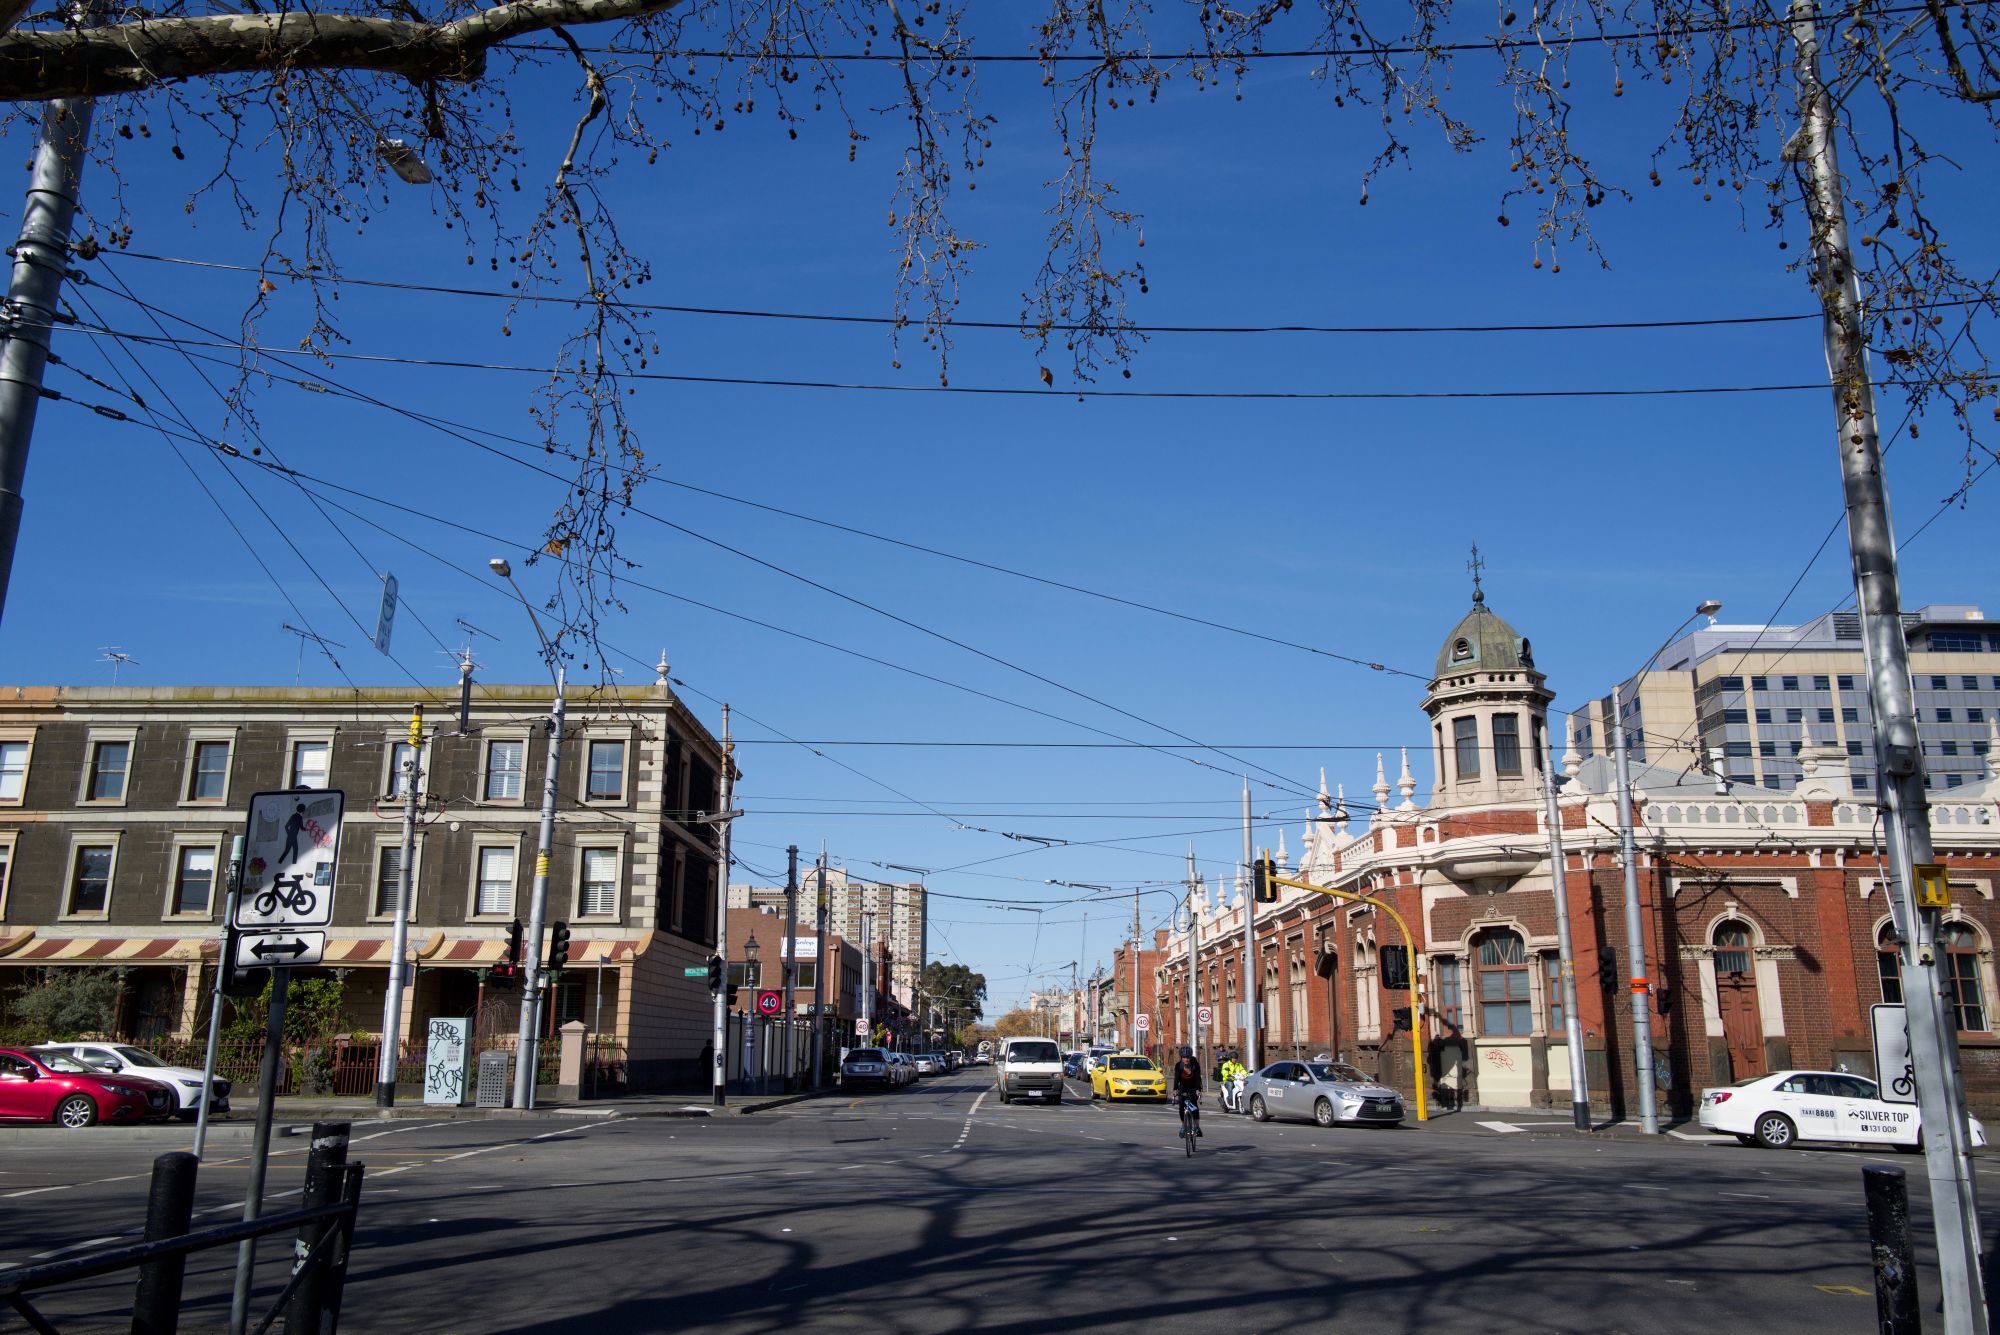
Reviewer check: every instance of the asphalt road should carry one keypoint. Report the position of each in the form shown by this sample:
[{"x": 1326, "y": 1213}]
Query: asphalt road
[{"x": 934, "y": 1208}]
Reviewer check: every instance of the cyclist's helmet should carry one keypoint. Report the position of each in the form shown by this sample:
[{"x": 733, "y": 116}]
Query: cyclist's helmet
[{"x": 1187, "y": 1051}]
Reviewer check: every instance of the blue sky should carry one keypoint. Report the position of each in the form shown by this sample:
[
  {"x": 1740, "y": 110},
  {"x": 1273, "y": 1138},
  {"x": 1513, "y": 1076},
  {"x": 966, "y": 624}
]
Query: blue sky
[{"x": 1338, "y": 524}]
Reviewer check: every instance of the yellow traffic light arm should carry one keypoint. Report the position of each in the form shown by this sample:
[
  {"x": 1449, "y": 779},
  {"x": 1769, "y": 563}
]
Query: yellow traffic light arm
[{"x": 1420, "y": 1075}]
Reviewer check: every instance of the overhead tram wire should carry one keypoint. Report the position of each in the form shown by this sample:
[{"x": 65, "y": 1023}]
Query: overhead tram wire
[
  {"x": 922, "y": 629},
  {"x": 1006, "y": 326},
  {"x": 1003, "y": 391}
]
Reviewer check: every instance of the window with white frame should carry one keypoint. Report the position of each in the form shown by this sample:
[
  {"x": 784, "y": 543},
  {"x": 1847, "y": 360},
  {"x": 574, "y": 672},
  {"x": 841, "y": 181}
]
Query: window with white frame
[
  {"x": 604, "y": 779},
  {"x": 494, "y": 895},
  {"x": 90, "y": 868},
  {"x": 309, "y": 763},
  {"x": 1960, "y": 944},
  {"x": 207, "y": 770},
  {"x": 194, "y": 880},
  {"x": 389, "y": 881},
  {"x": 13, "y": 770},
  {"x": 104, "y": 776},
  {"x": 506, "y": 766},
  {"x": 597, "y": 889},
  {"x": 401, "y": 754}
]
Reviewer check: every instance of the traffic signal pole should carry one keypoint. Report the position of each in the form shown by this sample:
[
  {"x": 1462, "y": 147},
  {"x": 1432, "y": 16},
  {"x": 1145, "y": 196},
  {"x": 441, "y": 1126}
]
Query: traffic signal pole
[
  {"x": 819, "y": 971},
  {"x": 1244, "y": 998},
  {"x": 1899, "y": 759},
  {"x": 791, "y": 963},
  {"x": 529, "y": 1035},
  {"x": 399, "y": 936},
  {"x": 1263, "y": 872},
  {"x": 719, "y": 1079}
]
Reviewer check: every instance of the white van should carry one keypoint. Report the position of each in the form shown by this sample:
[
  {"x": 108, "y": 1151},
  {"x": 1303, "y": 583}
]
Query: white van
[{"x": 1028, "y": 1068}]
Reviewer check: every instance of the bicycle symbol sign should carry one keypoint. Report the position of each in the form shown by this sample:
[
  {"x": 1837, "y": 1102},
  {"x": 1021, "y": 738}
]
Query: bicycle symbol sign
[{"x": 289, "y": 850}]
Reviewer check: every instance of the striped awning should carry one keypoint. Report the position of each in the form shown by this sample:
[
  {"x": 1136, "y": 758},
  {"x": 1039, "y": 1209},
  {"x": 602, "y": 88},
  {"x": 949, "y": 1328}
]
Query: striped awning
[
  {"x": 32, "y": 948},
  {"x": 475, "y": 953}
]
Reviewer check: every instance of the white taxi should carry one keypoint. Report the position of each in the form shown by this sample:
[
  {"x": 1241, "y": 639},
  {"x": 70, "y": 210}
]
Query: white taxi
[{"x": 1781, "y": 1110}]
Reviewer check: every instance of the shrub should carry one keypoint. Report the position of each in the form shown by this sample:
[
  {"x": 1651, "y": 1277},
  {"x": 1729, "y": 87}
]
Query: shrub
[{"x": 66, "y": 1003}]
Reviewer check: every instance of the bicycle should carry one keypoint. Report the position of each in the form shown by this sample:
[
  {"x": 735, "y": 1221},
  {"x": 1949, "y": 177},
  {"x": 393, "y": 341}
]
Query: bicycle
[
  {"x": 1905, "y": 1084},
  {"x": 1190, "y": 1108},
  {"x": 290, "y": 891}
]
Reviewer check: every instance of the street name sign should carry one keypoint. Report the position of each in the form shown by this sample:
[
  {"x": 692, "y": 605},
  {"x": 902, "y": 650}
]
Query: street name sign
[
  {"x": 694, "y": 971},
  {"x": 261, "y": 950},
  {"x": 289, "y": 850}
]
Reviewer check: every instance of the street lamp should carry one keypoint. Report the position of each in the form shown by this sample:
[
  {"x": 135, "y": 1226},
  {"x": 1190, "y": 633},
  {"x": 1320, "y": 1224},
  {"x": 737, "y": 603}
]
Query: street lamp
[
  {"x": 753, "y": 1020},
  {"x": 1642, "y": 1017},
  {"x": 538, "y": 900}
]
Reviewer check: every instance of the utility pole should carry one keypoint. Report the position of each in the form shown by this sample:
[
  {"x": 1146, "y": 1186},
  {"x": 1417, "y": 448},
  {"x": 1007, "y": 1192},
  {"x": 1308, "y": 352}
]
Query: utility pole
[
  {"x": 1249, "y": 898},
  {"x": 718, "y": 1080},
  {"x": 791, "y": 957},
  {"x": 1137, "y": 1045},
  {"x": 1635, "y": 929},
  {"x": 222, "y": 967},
  {"x": 867, "y": 976},
  {"x": 41, "y": 259},
  {"x": 1194, "y": 962},
  {"x": 1899, "y": 758},
  {"x": 399, "y": 935},
  {"x": 529, "y": 1035},
  {"x": 1579, "y": 1094},
  {"x": 819, "y": 971}
]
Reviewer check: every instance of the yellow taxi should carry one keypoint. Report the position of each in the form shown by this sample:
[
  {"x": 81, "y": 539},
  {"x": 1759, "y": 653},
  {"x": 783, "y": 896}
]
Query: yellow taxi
[{"x": 1125, "y": 1076}]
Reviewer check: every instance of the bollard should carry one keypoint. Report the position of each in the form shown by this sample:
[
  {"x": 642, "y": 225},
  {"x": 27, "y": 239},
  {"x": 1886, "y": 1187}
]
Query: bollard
[
  {"x": 156, "y": 1302},
  {"x": 1895, "y": 1260},
  {"x": 326, "y": 1165},
  {"x": 343, "y": 1246}
]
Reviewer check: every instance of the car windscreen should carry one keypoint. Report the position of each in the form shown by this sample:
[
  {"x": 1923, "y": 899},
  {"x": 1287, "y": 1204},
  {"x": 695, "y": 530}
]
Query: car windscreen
[
  {"x": 68, "y": 1065},
  {"x": 1034, "y": 1052},
  {"x": 1130, "y": 1064},
  {"x": 139, "y": 1057},
  {"x": 1339, "y": 1071}
]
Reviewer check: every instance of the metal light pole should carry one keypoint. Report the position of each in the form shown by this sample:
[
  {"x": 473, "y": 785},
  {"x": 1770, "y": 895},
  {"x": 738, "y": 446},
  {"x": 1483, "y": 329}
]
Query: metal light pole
[
  {"x": 719, "y": 1079},
  {"x": 1899, "y": 758},
  {"x": 819, "y": 970},
  {"x": 867, "y": 977},
  {"x": 790, "y": 961},
  {"x": 41, "y": 260},
  {"x": 1250, "y": 1032},
  {"x": 1579, "y": 1094},
  {"x": 222, "y": 966},
  {"x": 399, "y": 935},
  {"x": 528, "y": 1037},
  {"x": 1635, "y": 924},
  {"x": 1194, "y": 962}
]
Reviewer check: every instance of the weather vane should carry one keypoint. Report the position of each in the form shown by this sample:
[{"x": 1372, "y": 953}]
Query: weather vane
[{"x": 1475, "y": 565}]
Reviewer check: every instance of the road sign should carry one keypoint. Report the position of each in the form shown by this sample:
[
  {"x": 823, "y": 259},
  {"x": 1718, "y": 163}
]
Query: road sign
[
  {"x": 385, "y": 620},
  {"x": 694, "y": 971},
  {"x": 289, "y": 852},
  {"x": 261, "y": 950},
  {"x": 860, "y": 1027},
  {"x": 1204, "y": 1015},
  {"x": 1144, "y": 1022},
  {"x": 1895, "y": 1075},
  {"x": 770, "y": 1001}
]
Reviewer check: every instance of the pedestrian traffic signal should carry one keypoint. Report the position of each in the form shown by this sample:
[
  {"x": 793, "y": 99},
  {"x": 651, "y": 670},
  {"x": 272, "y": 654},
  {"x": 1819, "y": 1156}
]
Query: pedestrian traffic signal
[
  {"x": 558, "y": 946},
  {"x": 509, "y": 967},
  {"x": 715, "y": 973},
  {"x": 1261, "y": 872}
]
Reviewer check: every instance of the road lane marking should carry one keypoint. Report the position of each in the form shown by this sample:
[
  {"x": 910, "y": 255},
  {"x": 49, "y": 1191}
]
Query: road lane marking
[
  {"x": 1751, "y": 1195},
  {"x": 1505, "y": 1128},
  {"x": 36, "y": 1191}
]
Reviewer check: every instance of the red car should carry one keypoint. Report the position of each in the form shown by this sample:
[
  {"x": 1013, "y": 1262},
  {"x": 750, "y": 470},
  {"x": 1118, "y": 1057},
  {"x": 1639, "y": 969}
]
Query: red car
[{"x": 52, "y": 1087}]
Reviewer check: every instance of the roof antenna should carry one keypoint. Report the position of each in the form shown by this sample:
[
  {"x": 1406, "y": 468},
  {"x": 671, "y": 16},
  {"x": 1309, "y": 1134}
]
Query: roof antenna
[
  {"x": 326, "y": 647},
  {"x": 465, "y": 667},
  {"x": 117, "y": 657}
]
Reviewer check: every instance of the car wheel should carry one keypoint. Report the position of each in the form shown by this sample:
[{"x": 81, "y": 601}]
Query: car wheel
[
  {"x": 1258, "y": 1112},
  {"x": 1776, "y": 1132},
  {"x": 1093, "y": 1093},
  {"x": 76, "y": 1112},
  {"x": 1323, "y": 1112}
]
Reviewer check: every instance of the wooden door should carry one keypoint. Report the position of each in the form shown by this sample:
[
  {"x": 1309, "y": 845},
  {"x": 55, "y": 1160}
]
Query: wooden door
[{"x": 1742, "y": 1026}]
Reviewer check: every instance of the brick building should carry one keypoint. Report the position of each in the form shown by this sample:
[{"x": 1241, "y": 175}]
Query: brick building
[
  {"x": 118, "y": 806},
  {"x": 1117, "y": 1018},
  {"x": 1764, "y": 911}
]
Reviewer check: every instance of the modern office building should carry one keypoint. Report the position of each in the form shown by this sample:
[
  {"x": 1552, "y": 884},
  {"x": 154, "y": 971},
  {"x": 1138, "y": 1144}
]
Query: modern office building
[{"x": 1749, "y": 700}]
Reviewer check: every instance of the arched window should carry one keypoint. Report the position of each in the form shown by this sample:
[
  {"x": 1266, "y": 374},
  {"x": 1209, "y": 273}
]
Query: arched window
[
  {"x": 1886, "y": 965},
  {"x": 1504, "y": 1008},
  {"x": 1960, "y": 945},
  {"x": 1732, "y": 947}
]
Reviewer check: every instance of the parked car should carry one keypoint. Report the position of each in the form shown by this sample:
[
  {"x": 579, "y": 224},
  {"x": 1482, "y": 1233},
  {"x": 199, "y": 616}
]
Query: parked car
[
  {"x": 1073, "y": 1065},
  {"x": 1094, "y": 1055},
  {"x": 1328, "y": 1093},
  {"x": 1124, "y": 1076},
  {"x": 56, "y": 1087},
  {"x": 184, "y": 1081},
  {"x": 927, "y": 1064},
  {"x": 906, "y": 1070},
  {"x": 1783, "y": 1109},
  {"x": 867, "y": 1068}
]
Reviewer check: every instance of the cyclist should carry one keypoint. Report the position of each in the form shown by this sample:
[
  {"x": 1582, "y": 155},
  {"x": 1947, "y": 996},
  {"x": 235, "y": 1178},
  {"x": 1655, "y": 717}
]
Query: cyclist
[{"x": 1186, "y": 1081}]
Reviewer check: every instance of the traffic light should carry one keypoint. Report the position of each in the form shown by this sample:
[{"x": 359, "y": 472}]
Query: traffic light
[
  {"x": 715, "y": 973},
  {"x": 730, "y": 1000},
  {"x": 1261, "y": 872},
  {"x": 509, "y": 967},
  {"x": 1607, "y": 969},
  {"x": 1396, "y": 967},
  {"x": 239, "y": 982},
  {"x": 558, "y": 946}
]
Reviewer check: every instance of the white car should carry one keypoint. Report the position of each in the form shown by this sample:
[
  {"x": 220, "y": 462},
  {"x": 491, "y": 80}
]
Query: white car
[
  {"x": 1786, "y": 1108},
  {"x": 185, "y": 1081},
  {"x": 928, "y": 1064}
]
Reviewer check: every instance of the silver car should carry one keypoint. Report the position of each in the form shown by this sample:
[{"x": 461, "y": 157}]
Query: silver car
[{"x": 1329, "y": 1093}]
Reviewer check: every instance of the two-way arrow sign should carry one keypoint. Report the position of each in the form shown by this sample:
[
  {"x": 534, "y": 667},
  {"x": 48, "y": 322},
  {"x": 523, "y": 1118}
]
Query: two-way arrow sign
[{"x": 261, "y": 950}]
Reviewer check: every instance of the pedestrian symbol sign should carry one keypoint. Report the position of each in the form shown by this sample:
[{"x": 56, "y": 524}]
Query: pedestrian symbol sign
[{"x": 289, "y": 852}]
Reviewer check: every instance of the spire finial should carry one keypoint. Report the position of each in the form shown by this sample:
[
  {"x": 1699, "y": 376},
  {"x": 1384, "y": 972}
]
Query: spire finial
[
  {"x": 1475, "y": 565},
  {"x": 1381, "y": 789},
  {"x": 1340, "y": 810},
  {"x": 661, "y": 669},
  {"x": 1406, "y": 784}
]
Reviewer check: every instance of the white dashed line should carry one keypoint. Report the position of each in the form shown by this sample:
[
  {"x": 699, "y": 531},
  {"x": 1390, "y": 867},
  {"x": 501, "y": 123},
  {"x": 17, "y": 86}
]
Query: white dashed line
[{"x": 36, "y": 1191}]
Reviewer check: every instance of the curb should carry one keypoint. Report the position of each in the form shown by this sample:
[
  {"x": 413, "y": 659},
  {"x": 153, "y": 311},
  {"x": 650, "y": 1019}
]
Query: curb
[{"x": 113, "y": 1137}]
